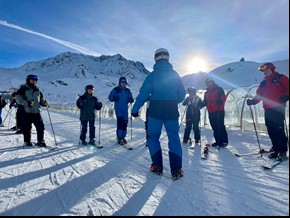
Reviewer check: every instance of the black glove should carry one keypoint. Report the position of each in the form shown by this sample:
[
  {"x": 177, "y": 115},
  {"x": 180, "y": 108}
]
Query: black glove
[
  {"x": 250, "y": 102},
  {"x": 31, "y": 103},
  {"x": 99, "y": 105},
  {"x": 219, "y": 102},
  {"x": 116, "y": 98},
  {"x": 131, "y": 100},
  {"x": 284, "y": 99},
  {"x": 10, "y": 106},
  {"x": 135, "y": 114}
]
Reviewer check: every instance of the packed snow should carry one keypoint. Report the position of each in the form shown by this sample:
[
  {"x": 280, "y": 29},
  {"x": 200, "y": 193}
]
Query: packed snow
[{"x": 79, "y": 180}]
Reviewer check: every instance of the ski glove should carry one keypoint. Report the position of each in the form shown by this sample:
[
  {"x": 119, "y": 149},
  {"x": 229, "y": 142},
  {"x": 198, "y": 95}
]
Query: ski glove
[
  {"x": 251, "y": 102},
  {"x": 31, "y": 103},
  {"x": 219, "y": 102},
  {"x": 98, "y": 106},
  {"x": 135, "y": 114},
  {"x": 131, "y": 100},
  {"x": 45, "y": 103},
  {"x": 284, "y": 99}
]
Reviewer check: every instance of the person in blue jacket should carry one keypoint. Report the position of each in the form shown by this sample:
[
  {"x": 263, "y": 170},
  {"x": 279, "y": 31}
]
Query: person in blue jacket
[
  {"x": 166, "y": 91},
  {"x": 122, "y": 96}
]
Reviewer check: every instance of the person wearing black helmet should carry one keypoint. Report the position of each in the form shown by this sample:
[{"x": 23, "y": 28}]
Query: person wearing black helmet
[
  {"x": 31, "y": 98},
  {"x": 193, "y": 103},
  {"x": 274, "y": 92},
  {"x": 121, "y": 96},
  {"x": 88, "y": 104}
]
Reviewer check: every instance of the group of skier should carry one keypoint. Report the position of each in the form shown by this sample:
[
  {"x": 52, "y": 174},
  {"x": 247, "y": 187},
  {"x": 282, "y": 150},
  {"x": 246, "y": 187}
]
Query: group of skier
[{"x": 163, "y": 90}]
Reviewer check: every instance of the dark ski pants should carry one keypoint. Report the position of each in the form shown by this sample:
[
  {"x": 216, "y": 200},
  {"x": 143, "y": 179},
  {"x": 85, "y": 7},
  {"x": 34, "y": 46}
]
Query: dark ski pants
[
  {"x": 192, "y": 123},
  {"x": 19, "y": 118},
  {"x": 122, "y": 127},
  {"x": 274, "y": 120},
  {"x": 217, "y": 122},
  {"x": 84, "y": 130},
  {"x": 29, "y": 119}
]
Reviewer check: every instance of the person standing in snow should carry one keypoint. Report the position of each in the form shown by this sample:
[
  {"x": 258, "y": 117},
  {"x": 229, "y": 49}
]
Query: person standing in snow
[
  {"x": 19, "y": 114},
  {"x": 214, "y": 100},
  {"x": 274, "y": 92},
  {"x": 88, "y": 104},
  {"x": 166, "y": 90},
  {"x": 31, "y": 98},
  {"x": 2, "y": 105},
  {"x": 193, "y": 104},
  {"x": 121, "y": 96}
]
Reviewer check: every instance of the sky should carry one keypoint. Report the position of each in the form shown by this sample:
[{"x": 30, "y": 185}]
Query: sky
[
  {"x": 200, "y": 35},
  {"x": 77, "y": 180}
]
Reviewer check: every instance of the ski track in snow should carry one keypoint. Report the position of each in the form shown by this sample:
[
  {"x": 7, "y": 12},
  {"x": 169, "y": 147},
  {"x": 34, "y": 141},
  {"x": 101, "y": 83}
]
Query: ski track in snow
[{"x": 77, "y": 180}]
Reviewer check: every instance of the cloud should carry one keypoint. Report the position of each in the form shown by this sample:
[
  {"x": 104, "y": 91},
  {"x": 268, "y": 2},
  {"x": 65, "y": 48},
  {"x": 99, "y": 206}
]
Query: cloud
[{"x": 62, "y": 42}]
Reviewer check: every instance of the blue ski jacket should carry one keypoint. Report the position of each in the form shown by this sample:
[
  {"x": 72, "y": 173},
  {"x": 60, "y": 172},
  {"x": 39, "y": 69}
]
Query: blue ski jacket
[{"x": 165, "y": 89}]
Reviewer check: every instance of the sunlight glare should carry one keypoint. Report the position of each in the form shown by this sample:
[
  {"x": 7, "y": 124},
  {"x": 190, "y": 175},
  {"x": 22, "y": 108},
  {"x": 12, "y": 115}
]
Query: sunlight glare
[{"x": 196, "y": 65}]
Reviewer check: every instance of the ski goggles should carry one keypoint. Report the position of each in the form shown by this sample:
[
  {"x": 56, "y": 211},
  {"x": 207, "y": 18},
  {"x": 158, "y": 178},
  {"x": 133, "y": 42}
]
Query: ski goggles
[
  {"x": 34, "y": 77},
  {"x": 265, "y": 66}
]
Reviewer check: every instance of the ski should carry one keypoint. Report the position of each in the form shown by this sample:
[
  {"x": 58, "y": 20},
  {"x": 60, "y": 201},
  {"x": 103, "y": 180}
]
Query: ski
[
  {"x": 269, "y": 166},
  {"x": 96, "y": 146},
  {"x": 127, "y": 147},
  {"x": 193, "y": 145},
  {"x": 47, "y": 147},
  {"x": 262, "y": 151},
  {"x": 205, "y": 152},
  {"x": 124, "y": 144}
]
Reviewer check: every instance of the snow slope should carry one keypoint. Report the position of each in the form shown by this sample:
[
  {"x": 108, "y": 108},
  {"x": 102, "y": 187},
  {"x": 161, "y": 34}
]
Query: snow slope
[{"x": 77, "y": 180}]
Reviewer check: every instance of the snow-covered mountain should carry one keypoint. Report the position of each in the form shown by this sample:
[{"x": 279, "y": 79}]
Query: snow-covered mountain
[
  {"x": 63, "y": 77},
  {"x": 232, "y": 75}
]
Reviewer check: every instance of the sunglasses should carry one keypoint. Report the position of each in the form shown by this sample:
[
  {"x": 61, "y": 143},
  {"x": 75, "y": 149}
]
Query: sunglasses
[{"x": 123, "y": 81}]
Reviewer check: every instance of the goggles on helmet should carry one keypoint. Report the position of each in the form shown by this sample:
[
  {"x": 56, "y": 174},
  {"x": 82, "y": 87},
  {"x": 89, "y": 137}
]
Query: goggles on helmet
[
  {"x": 266, "y": 66},
  {"x": 263, "y": 67},
  {"x": 34, "y": 77}
]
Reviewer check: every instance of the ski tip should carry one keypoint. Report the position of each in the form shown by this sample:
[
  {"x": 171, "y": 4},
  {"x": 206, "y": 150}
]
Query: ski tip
[{"x": 237, "y": 155}]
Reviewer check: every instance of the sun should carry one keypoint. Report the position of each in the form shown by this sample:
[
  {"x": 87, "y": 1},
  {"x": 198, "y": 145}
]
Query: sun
[{"x": 196, "y": 65}]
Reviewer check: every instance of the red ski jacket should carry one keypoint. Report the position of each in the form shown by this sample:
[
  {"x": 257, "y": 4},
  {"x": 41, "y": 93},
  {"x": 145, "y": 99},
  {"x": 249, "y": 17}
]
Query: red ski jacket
[
  {"x": 214, "y": 93},
  {"x": 271, "y": 89}
]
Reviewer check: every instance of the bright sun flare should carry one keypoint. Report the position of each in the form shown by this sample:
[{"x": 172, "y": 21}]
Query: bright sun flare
[{"x": 196, "y": 65}]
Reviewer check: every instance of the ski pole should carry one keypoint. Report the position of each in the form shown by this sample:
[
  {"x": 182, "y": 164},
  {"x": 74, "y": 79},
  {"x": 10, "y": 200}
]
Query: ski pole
[
  {"x": 80, "y": 133},
  {"x": 8, "y": 113},
  {"x": 99, "y": 127},
  {"x": 183, "y": 116},
  {"x": 286, "y": 132},
  {"x": 51, "y": 125},
  {"x": 255, "y": 130},
  {"x": 131, "y": 123},
  {"x": 200, "y": 132}
]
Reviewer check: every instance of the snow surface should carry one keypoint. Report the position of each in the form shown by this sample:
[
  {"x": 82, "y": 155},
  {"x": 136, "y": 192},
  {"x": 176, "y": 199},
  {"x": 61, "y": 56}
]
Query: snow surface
[{"x": 77, "y": 180}]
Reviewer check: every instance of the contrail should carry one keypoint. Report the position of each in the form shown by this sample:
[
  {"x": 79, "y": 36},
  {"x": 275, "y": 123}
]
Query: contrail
[{"x": 62, "y": 42}]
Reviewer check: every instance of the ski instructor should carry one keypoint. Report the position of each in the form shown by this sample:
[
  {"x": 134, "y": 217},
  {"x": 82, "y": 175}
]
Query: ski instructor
[{"x": 166, "y": 90}]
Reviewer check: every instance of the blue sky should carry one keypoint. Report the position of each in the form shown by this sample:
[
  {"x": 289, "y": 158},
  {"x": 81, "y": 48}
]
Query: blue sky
[{"x": 215, "y": 31}]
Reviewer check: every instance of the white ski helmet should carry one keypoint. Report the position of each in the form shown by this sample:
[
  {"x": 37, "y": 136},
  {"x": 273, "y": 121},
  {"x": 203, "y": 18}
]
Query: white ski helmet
[{"x": 161, "y": 53}]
